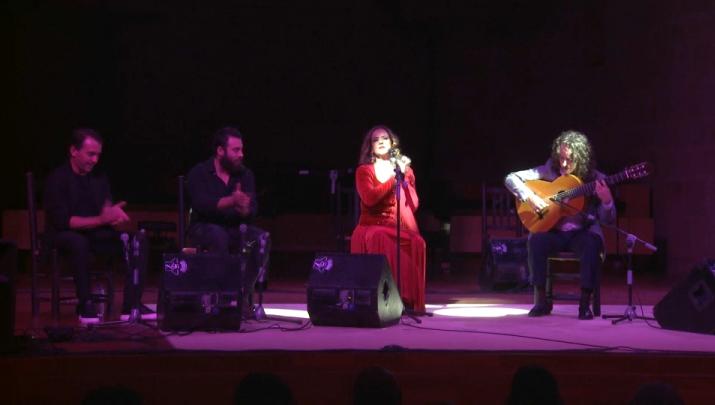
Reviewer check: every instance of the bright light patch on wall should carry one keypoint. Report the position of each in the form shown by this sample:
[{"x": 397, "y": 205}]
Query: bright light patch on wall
[
  {"x": 288, "y": 313},
  {"x": 478, "y": 310}
]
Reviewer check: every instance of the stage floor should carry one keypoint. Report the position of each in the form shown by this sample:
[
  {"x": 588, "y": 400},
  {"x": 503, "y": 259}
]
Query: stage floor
[
  {"x": 465, "y": 353},
  {"x": 464, "y": 318},
  {"x": 460, "y": 326},
  {"x": 474, "y": 327}
]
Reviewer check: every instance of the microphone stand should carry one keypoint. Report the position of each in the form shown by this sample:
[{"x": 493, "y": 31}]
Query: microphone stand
[
  {"x": 630, "y": 311},
  {"x": 336, "y": 204},
  {"x": 135, "y": 314},
  {"x": 258, "y": 312},
  {"x": 132, "y": 259},
  {"x": 399, "y": 181}
]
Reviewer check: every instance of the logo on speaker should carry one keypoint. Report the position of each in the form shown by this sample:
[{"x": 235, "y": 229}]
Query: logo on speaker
[
  {"x": 176, "y": 266},
  {"x": 499, "y": 248},
  {"x": 323, "y": 264}
]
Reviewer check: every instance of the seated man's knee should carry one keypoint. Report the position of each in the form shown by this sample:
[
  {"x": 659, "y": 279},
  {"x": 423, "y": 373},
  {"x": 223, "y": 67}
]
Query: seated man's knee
[
  {"x": 72, "y": 242},
  {"x": 211, "y": 237},
  {"x": 593, "y": 245},
  {"x": 539, "y": 239}
]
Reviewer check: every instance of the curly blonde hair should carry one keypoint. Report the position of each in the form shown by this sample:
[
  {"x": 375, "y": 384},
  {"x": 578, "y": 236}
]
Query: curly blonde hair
[{"x": 581, "y": 153}]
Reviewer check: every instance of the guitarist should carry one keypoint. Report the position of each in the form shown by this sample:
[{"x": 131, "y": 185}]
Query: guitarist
[{"x": 571, "y": 154}]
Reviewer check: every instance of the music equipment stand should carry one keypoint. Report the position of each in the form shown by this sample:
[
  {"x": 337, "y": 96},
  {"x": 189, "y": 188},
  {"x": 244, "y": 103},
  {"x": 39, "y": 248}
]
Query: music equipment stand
[
  {"x": 399, "y": 181},
  {"x": 630, "y": 311}
]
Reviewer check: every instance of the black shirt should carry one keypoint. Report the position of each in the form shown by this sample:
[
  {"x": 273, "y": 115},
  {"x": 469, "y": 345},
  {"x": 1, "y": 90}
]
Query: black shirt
[
  {"x": 206, "y": 189},
  {"x": 68, "y": 194}
]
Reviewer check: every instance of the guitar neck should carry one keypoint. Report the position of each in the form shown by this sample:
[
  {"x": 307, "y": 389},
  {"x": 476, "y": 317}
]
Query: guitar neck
[{"x": 589, "y": 188}]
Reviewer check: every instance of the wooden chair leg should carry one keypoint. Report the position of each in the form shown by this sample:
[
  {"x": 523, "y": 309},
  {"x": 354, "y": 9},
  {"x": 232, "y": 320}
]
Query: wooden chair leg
[
  {"x": 55, "y": 289},
  {"x": 34, "y": 299},
  {"x": 549, "y": 290},
  {"x": 110, "y": 288}
]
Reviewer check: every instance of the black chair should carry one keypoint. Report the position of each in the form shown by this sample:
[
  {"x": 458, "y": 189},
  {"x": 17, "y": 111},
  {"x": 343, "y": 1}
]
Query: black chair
[
  {"x": 44, "y": 255},
  {"x": 501, "y": 226},
  {"x": 183, "y": 215},
  {"x": 499, "y": 212},
  {"x": 553, "y": 275}
]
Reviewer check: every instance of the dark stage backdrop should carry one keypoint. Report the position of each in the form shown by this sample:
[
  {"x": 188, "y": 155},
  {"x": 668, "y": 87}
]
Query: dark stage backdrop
[{"x": 475, "y": 91}]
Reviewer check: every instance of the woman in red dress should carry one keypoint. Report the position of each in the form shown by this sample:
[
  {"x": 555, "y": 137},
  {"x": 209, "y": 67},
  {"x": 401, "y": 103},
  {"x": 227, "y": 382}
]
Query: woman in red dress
[{"x": 376, "y": 231}]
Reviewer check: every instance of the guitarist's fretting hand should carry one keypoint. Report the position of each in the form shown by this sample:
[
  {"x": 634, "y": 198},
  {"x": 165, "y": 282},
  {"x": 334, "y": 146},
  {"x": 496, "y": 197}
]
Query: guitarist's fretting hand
[{"x": 603, "y": 192}]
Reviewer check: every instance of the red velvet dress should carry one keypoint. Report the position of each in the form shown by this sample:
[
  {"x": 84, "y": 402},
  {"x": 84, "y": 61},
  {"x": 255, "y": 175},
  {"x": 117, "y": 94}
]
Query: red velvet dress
[{"x": 376, "y": 231}]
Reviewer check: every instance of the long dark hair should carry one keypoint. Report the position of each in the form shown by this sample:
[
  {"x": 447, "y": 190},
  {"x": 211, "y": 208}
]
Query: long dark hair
[
  {"x": 581, "y": 153},
  {"x": 366, "y": 155}
]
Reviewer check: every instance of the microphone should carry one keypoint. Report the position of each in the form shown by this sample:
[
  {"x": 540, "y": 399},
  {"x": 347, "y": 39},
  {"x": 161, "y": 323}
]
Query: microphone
[
  {"x": 242, "y": 229},
  {"x": 396, "y": 155},
  {"x": 262, "y": 241},
  {"x": 136, "y": 245},
  {"x": 333, "y": 180},
  {"x": 125, "y": 241}
]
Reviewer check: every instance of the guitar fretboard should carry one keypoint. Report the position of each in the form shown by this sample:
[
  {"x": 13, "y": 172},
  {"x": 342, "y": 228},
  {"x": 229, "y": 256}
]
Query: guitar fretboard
[{"x": 589, "y": 188}]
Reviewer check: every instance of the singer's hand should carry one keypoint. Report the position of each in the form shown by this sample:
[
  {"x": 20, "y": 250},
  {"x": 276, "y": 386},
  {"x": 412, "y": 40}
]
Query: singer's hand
[
  {"x": 603, "y": 192},
  {"x": 241, "y": 201},
  {"x": 403, "y": 162}
]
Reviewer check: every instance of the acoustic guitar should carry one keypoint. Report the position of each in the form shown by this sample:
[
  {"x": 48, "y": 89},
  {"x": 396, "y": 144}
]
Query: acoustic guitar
[{"x": 566, "y": 196}]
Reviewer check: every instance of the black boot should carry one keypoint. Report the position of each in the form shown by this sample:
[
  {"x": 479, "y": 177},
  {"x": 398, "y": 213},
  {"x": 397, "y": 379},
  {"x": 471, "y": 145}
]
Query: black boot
[
  {"x": 584, "y": 305},
  {"x": 541, "y": 308}
]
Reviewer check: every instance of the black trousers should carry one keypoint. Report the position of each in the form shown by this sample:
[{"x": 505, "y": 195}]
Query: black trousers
[
  {"x": 104, "y": 243},
  {"x": 588, "y": 246},
  {"x": 229, "y": 240}
]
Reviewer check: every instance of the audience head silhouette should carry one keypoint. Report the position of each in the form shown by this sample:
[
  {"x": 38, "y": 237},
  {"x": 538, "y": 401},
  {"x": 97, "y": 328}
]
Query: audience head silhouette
[
  {"x": 263, "y": 389},
  {"x": 112, "y": 396},
  {"x": 375, "y": 385},
  {"x": 534, "y": 385},
  {"x": 657, "y": 393}
]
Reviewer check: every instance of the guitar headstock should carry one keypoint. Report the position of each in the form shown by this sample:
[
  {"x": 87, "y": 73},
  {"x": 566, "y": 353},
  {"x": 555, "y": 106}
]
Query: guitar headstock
[{"x": 638, "y": 171}]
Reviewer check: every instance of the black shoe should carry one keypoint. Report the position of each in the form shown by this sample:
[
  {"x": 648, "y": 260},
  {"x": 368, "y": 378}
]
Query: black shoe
[
  {"x": 584, "y": 313},
  {"x": 248, "y": 312},
  {"x": 584, "y": 307},
  {"x": 542, "y": 306},
  {"x": 540, "y": 310},
  {"x": 146, "y": 313}
]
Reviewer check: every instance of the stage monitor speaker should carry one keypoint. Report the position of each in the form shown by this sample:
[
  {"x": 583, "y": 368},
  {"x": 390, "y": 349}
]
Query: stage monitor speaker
[
  {"x": 8, "y": 269},
  {"x": 353, "y": 290},
  {"x": 690, "y": 305},
  {"x": 200, "y": 292},
  {"x": 505, "y": 263}
]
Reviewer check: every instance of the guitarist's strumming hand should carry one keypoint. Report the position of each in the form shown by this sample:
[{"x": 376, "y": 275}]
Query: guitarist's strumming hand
[
  {"x": 603, "y": 192},
  {"x": 537, "y": 203}
]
